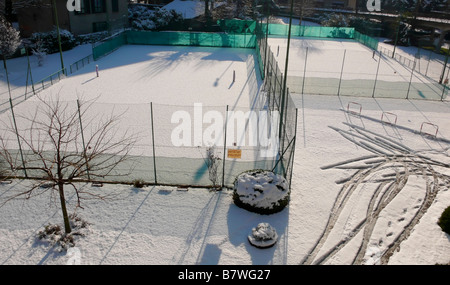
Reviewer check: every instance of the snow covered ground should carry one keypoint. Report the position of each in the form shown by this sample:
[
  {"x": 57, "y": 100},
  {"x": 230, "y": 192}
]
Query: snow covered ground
[{"x": 360, "y": 188}]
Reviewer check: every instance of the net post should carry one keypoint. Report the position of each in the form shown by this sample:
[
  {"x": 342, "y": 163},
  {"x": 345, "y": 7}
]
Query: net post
[
  {"x": 342, "y": 70},
  {"x": 82, "y": 139},
  {"x": 18, "y": 138},
  {"x": 153, "y": 142},
  {"x": 224, "y": 147}
]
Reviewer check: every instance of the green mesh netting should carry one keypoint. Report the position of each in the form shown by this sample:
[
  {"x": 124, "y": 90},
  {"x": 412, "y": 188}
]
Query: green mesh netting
[{"x": 174, "y": 39}]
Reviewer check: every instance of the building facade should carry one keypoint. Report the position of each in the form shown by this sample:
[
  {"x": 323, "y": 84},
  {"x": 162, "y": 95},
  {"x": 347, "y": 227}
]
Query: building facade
[{"x": 94, "y": 16}]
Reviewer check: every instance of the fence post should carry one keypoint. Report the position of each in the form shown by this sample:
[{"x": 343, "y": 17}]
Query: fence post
[
  {"x": 428, "y": 64},
  {"x": 293, "y": 149},
  {"x": 82, "y": 139},
  {"x": 18, "y": 138},
  {"x": 224, "y": 147},
  {"x": 410, "y": 79},
  {"x": 304, "y": 70},
  {"x": 342, "y": 70},
  {"x": 376, "y": 76},
  {"x": 153, "y": 142},
  {"x": 443, "y": 92}
]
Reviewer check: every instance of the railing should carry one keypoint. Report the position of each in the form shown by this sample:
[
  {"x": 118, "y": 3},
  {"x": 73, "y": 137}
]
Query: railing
[
  {"x": 74, "y": 67},
  {"x": 50, "y": 80}
]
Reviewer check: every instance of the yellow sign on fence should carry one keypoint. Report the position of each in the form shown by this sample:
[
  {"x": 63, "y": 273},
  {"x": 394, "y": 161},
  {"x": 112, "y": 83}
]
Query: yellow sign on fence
[{"x": 234, "y": 153}]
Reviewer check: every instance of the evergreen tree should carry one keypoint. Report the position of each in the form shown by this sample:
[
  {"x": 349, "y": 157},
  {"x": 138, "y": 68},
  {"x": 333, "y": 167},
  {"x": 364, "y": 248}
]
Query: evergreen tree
[{"x": 9, "y": 38}]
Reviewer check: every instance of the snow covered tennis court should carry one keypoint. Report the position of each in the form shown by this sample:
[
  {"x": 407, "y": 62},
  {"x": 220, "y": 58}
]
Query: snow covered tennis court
[
  {"x": 171, "y": 75},
  {"x": 346, "y": 67},
  {"x": 160, "y": 225}
]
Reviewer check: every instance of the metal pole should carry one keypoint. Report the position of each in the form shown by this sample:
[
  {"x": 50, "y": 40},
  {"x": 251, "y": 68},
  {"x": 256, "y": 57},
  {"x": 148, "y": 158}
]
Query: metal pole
[
  {"x": 376, "y": 77},
  {"x": 342, "y": 70},
  {"x": 82, "y": 139},
  {"x": 7, "y": 76},
  {"x": 283, "y": 95},
  {"x": 293, "y": 148},
  {"x": 18, "y": 139},
  {"x": 410, "y": 80},
  {"x": 445, "y": 66},
  {"x": 304, "y": 70},
  {"x": 58, "y": 34},
  {"x": 428, "y": 64},
  {"x": 396, "y": 37},
  {"x": 153, "y": 142},
  {"x": 224, "y": 147},
  {"x": 31, "y": 74},
  {"x": 266, "y": 42},
  {"x": 443, "y": 92}
]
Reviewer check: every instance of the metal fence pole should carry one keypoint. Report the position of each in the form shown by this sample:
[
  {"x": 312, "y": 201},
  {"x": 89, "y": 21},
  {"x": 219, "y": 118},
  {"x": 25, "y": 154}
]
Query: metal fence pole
[
  {"x": 376, "y": 76},
  {"x": 153, "y": 142},
  {"x": 31, "y": 74},
  {"x": 18, "y": 138},
  {"x": 82, "y": 139},
  {"x": 342, "y": 70},
  {"x": 293, "y": 149},
  {"x": 443, "y": 92},
  {"x": 224, "y": 147},
  {"x": 428, "y": 64},
  {"x": 304, "y": 70},
  {"x": 410, "y": 79}
]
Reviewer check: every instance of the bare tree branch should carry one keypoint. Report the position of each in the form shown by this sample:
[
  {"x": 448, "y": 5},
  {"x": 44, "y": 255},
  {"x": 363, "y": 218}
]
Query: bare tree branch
[{"x": 51, "y": 138}]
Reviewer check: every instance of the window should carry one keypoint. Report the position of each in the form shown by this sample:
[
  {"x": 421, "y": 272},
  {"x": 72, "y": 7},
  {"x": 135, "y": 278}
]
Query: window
[
  {"x": 92, "y": 6},
  {"x": 115, "y": 5},
  {"x": 98, "y": 6},
  {"x": 85, "y": 7}
]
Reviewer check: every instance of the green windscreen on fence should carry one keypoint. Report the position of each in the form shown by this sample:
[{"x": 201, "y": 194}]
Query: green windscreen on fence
[
  {"x": 237, "y": 26},
  {"x": 236, "y": 34},
  {"x": 191, "y": 39},
  {"x": 366, "y": 40},
  {"x": 174, "y": 39},
  {"x": 108, "y": 45},
  {"x": 310, "y": 31}
]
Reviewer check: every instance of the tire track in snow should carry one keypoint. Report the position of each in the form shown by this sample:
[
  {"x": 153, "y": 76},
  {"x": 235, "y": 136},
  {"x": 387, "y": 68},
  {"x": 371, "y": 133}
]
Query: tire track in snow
[{"x": 387, "y": 154}]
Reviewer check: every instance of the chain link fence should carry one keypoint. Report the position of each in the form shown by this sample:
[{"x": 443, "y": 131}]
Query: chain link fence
[{"x": 171, "y": 147}]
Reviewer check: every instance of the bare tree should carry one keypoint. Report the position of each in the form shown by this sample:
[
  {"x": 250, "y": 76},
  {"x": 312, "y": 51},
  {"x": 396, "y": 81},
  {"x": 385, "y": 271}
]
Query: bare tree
[
  {"x": 303, "y": 8},
  {"x": 60, "y": 153}
]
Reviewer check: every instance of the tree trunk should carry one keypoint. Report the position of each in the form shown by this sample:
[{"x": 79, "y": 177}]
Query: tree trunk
[{"x": 67, "y": 227}]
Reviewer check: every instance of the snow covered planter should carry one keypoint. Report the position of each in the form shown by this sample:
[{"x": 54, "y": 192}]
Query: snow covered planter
[
  {"x": 261, "y": 191},
  {"x": 263, "y": 236}
]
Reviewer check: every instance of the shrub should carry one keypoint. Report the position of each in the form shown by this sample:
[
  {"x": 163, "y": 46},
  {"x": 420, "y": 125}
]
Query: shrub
[
  {"x": 261, "y": 191},
  {"x": 444, "y": 220},
  {"x": 49, "y": 40},
  {"x": 54, "y": 233},
  {"x": 142, "y": 18},
  {"x": 138, "y": 183}
]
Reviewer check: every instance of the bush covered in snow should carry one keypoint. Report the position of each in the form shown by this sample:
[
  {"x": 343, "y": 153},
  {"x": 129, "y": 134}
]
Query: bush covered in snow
[
  {"x": 261, "y": 191},
  {"x": 54, "y": 233},
  {"x": 143, "y": 18},
  {"x": 444, "y": 220},
  {"x": 49, "y": 40},
  {"x": 263, "y": 236}
]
